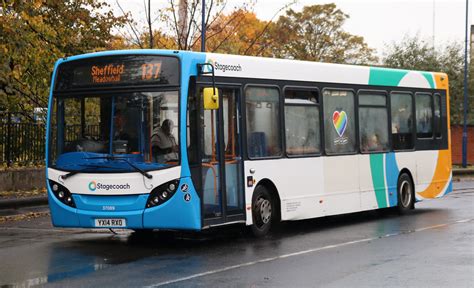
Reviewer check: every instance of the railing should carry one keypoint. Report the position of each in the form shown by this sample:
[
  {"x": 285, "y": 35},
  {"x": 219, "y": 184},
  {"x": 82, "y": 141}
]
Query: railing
[{"x": 22, "y": 140}]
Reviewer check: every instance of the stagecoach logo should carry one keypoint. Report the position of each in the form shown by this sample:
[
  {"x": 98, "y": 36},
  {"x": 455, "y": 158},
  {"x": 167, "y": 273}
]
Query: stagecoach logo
[
  {"x": 93, "y": 186},
  {"x": 222, "y": 67},
  {"x": 339, "y": 120}
]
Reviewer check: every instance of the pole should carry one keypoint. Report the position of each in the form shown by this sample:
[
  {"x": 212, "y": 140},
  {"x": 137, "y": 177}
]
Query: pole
[
  {"x": 149, "y": 25},
  {"x": 8, "y": 141},
  {"x": 464, "y": 130},
  {"x": 203, "y": 25}
]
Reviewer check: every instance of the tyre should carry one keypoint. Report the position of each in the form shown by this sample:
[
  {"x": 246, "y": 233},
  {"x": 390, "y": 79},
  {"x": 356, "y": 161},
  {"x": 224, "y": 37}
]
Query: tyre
[
  {"x": 405, "y": 193},
  {"x": 263, "y": 211}
]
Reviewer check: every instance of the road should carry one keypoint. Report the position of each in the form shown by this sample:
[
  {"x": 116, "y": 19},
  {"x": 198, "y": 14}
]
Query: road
[{"x": 431, "y": 247}]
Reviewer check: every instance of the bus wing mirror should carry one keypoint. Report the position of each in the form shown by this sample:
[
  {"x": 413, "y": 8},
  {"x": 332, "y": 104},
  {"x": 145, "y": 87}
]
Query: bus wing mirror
[{"x": 211, "y": 98}]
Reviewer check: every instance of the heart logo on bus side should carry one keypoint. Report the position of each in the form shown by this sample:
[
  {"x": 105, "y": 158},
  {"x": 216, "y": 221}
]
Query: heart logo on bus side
[{"x": 339, "y": 120}]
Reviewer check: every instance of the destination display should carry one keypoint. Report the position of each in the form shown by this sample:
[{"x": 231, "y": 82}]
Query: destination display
[{"x": 118, "y": 70}]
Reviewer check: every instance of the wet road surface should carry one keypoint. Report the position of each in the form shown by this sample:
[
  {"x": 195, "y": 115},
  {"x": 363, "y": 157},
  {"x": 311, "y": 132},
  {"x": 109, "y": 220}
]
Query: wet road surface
[{"x": 431, "y": 247}]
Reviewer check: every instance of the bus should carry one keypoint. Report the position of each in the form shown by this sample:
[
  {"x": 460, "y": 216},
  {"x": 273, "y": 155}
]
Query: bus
[{"x": 180, "y": 140}]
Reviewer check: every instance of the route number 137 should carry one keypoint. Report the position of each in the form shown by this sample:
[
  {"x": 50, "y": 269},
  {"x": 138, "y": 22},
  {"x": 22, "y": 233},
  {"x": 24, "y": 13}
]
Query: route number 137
[{"x": 151, "y": 70}]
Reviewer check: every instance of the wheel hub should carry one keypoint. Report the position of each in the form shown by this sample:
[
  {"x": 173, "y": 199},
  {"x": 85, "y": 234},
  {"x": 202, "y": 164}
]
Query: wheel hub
[
  {"x": 405, "y": 194},
  {"x": 265, "y": 211}
]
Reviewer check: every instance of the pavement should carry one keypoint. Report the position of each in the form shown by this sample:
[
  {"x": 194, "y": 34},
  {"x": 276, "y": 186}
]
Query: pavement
[{"x": 430, "y": 247}]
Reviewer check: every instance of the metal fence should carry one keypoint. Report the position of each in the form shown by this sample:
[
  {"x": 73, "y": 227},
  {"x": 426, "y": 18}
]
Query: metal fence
[{"x": 22, "y": 140}]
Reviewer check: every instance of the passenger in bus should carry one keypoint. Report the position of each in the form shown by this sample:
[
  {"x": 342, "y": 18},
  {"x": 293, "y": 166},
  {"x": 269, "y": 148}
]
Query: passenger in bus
[
  {"x": 401, "y": 121},
  {"x": 372, "y": 143},
  {"x": 163, "y": 143}
]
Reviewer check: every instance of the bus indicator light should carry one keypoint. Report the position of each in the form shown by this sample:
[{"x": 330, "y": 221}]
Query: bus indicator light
[{"x": 250, "y": 181}]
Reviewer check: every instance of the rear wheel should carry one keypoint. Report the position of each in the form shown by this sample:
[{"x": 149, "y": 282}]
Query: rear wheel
[
  {"x": 406, "y": 195},
  {"x": 263, "y": 211}
]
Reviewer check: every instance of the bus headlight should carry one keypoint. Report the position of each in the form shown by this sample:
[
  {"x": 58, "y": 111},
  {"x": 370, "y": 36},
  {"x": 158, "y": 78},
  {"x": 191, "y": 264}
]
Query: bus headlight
[
  {"x": 62, "y": 194},
  {"x": 162, "y": 193}
]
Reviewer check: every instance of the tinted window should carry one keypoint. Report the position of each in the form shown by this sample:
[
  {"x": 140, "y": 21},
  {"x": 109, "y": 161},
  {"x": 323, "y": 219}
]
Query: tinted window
[
  {"x": 339, "y": 121},
  {"x": 402, "y": 120},
  {"x": 263, "y": 121},
  {"x": 437, "y": 115},
  {"x": 424, "y": 115},
  {"x": 302, "y": 122},
  {"x": 373, "y": 122}
]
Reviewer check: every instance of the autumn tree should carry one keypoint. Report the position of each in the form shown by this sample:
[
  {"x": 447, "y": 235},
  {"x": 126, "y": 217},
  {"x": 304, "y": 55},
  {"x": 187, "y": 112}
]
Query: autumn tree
[
  {"x": 178, "y": 25},
  {"x": 34, "y": 34},
  {"x": 240, "y": 33},
  {"x": 316, "y": 34},
  {"x": 413, "y": 53}
]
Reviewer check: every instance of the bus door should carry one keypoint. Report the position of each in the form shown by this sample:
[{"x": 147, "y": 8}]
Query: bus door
[{"x": 221, "y": 162}]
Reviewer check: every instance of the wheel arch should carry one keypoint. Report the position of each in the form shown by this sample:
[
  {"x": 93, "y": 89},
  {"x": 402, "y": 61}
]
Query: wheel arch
[{"x": 271, "y": 187}]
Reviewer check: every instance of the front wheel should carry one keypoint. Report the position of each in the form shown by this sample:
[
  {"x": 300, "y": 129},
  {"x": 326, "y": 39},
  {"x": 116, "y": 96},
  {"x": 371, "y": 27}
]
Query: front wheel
[
  {"x": 406, "y": 195},
  {"x": 263, "y": 211}
]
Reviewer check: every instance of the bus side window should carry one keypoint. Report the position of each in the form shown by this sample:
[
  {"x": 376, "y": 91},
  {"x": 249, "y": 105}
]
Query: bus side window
[
  {"x": 302, "y": 129},
  {"x": 263, "y": 122},
  {"x": 424, "y": 115},
  {"x": 339, "y": 121},
  {"x": 373, "y": 121},
  {"x": 402, "y": 120},
  {"x": 437, "y": 116}
]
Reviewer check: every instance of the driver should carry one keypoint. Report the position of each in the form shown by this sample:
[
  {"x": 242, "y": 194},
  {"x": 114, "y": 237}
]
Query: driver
[{"x": 164, "y": 145}]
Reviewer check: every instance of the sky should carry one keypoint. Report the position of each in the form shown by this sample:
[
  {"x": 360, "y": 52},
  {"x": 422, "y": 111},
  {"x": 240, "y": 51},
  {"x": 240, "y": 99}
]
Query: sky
[{"x": 380, "y": 22}]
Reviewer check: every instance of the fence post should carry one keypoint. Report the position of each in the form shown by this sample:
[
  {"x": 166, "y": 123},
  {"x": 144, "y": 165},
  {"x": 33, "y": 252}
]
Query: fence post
[{"x": 8, "y": 140}]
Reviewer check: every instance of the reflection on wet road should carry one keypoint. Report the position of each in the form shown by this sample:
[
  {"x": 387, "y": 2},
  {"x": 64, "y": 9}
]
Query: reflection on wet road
[{"x": 431, "y": 246}]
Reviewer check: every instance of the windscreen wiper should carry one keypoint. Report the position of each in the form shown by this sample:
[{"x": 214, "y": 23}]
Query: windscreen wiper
[
  {"x": 115, "y": 158},
  {"x": 88, "y": 166}
]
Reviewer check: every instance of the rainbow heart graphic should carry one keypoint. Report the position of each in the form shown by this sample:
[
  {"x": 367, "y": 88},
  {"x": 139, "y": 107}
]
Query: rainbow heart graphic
[{"x": 339, "y": 119}]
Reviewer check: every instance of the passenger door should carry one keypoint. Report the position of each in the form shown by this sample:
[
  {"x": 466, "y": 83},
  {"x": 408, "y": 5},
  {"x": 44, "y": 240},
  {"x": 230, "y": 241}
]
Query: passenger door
[{"x": 221, "y": 162}]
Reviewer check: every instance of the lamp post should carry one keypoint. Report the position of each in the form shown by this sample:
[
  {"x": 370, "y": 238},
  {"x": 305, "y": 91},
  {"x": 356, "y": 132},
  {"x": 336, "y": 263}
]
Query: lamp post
[{"x": 464, "y": 130}]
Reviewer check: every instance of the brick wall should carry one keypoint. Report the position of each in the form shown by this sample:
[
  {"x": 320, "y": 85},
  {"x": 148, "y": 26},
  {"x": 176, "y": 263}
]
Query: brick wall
[{"x": 456, "y": 144}]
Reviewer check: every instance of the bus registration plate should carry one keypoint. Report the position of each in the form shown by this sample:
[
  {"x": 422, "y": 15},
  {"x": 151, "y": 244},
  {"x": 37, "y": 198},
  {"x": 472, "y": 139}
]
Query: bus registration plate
[{"x": 110, "y": 223}]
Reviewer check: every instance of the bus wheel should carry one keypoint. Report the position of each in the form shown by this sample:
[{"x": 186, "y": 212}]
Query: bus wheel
[
  {"x": 406, "y": 195},
  {"x": 263, "y": 211}
]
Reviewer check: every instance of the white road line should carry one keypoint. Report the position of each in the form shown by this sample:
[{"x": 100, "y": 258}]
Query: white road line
[{"x": 210, "y": 272}]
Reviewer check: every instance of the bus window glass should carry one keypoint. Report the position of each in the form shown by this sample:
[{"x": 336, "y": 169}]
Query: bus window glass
[
  {"x": 372, "y": 98},
  {"x": 339, "y": 121},
  {"x": 140, "y": 124},
  {"x": 424, "y": 116},
  {"x": 302, "y": 121},
  {"x": 437, "y": 115},
  {"x": 373, "y": 122},
  {"x": 402, "y": 120},
  {"x": 263, "y": 121},
  {"x": 307, "y": 96},
  {"x": 302, "y": 129}
]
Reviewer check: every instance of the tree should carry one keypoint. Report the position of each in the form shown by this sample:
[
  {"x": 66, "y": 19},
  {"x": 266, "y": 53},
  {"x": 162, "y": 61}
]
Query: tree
[
  {"x": 240, "y": 33},
  {"x": 316, "y": 34},
  {"x": 413, "y": 53},
  {"x": 179, "y": 27},
  {"x": 34, "y": 34}
]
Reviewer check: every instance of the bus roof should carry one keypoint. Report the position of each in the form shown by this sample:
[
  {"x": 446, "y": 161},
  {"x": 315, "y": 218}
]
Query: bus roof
[{"x": 227, "y": 65}]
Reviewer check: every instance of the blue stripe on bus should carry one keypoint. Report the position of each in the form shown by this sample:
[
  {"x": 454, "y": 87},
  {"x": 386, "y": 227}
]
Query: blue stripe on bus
[{"x": 391, "y": 173}]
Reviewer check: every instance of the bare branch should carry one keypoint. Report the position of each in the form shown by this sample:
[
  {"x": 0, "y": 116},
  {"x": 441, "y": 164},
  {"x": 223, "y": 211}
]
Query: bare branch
[
  {"x": 129, "y": 22},
  {"x": 268, "y": 25}
]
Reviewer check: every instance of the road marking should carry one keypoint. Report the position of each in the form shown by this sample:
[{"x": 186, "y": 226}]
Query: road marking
[{"x": 237, "y": 266}]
